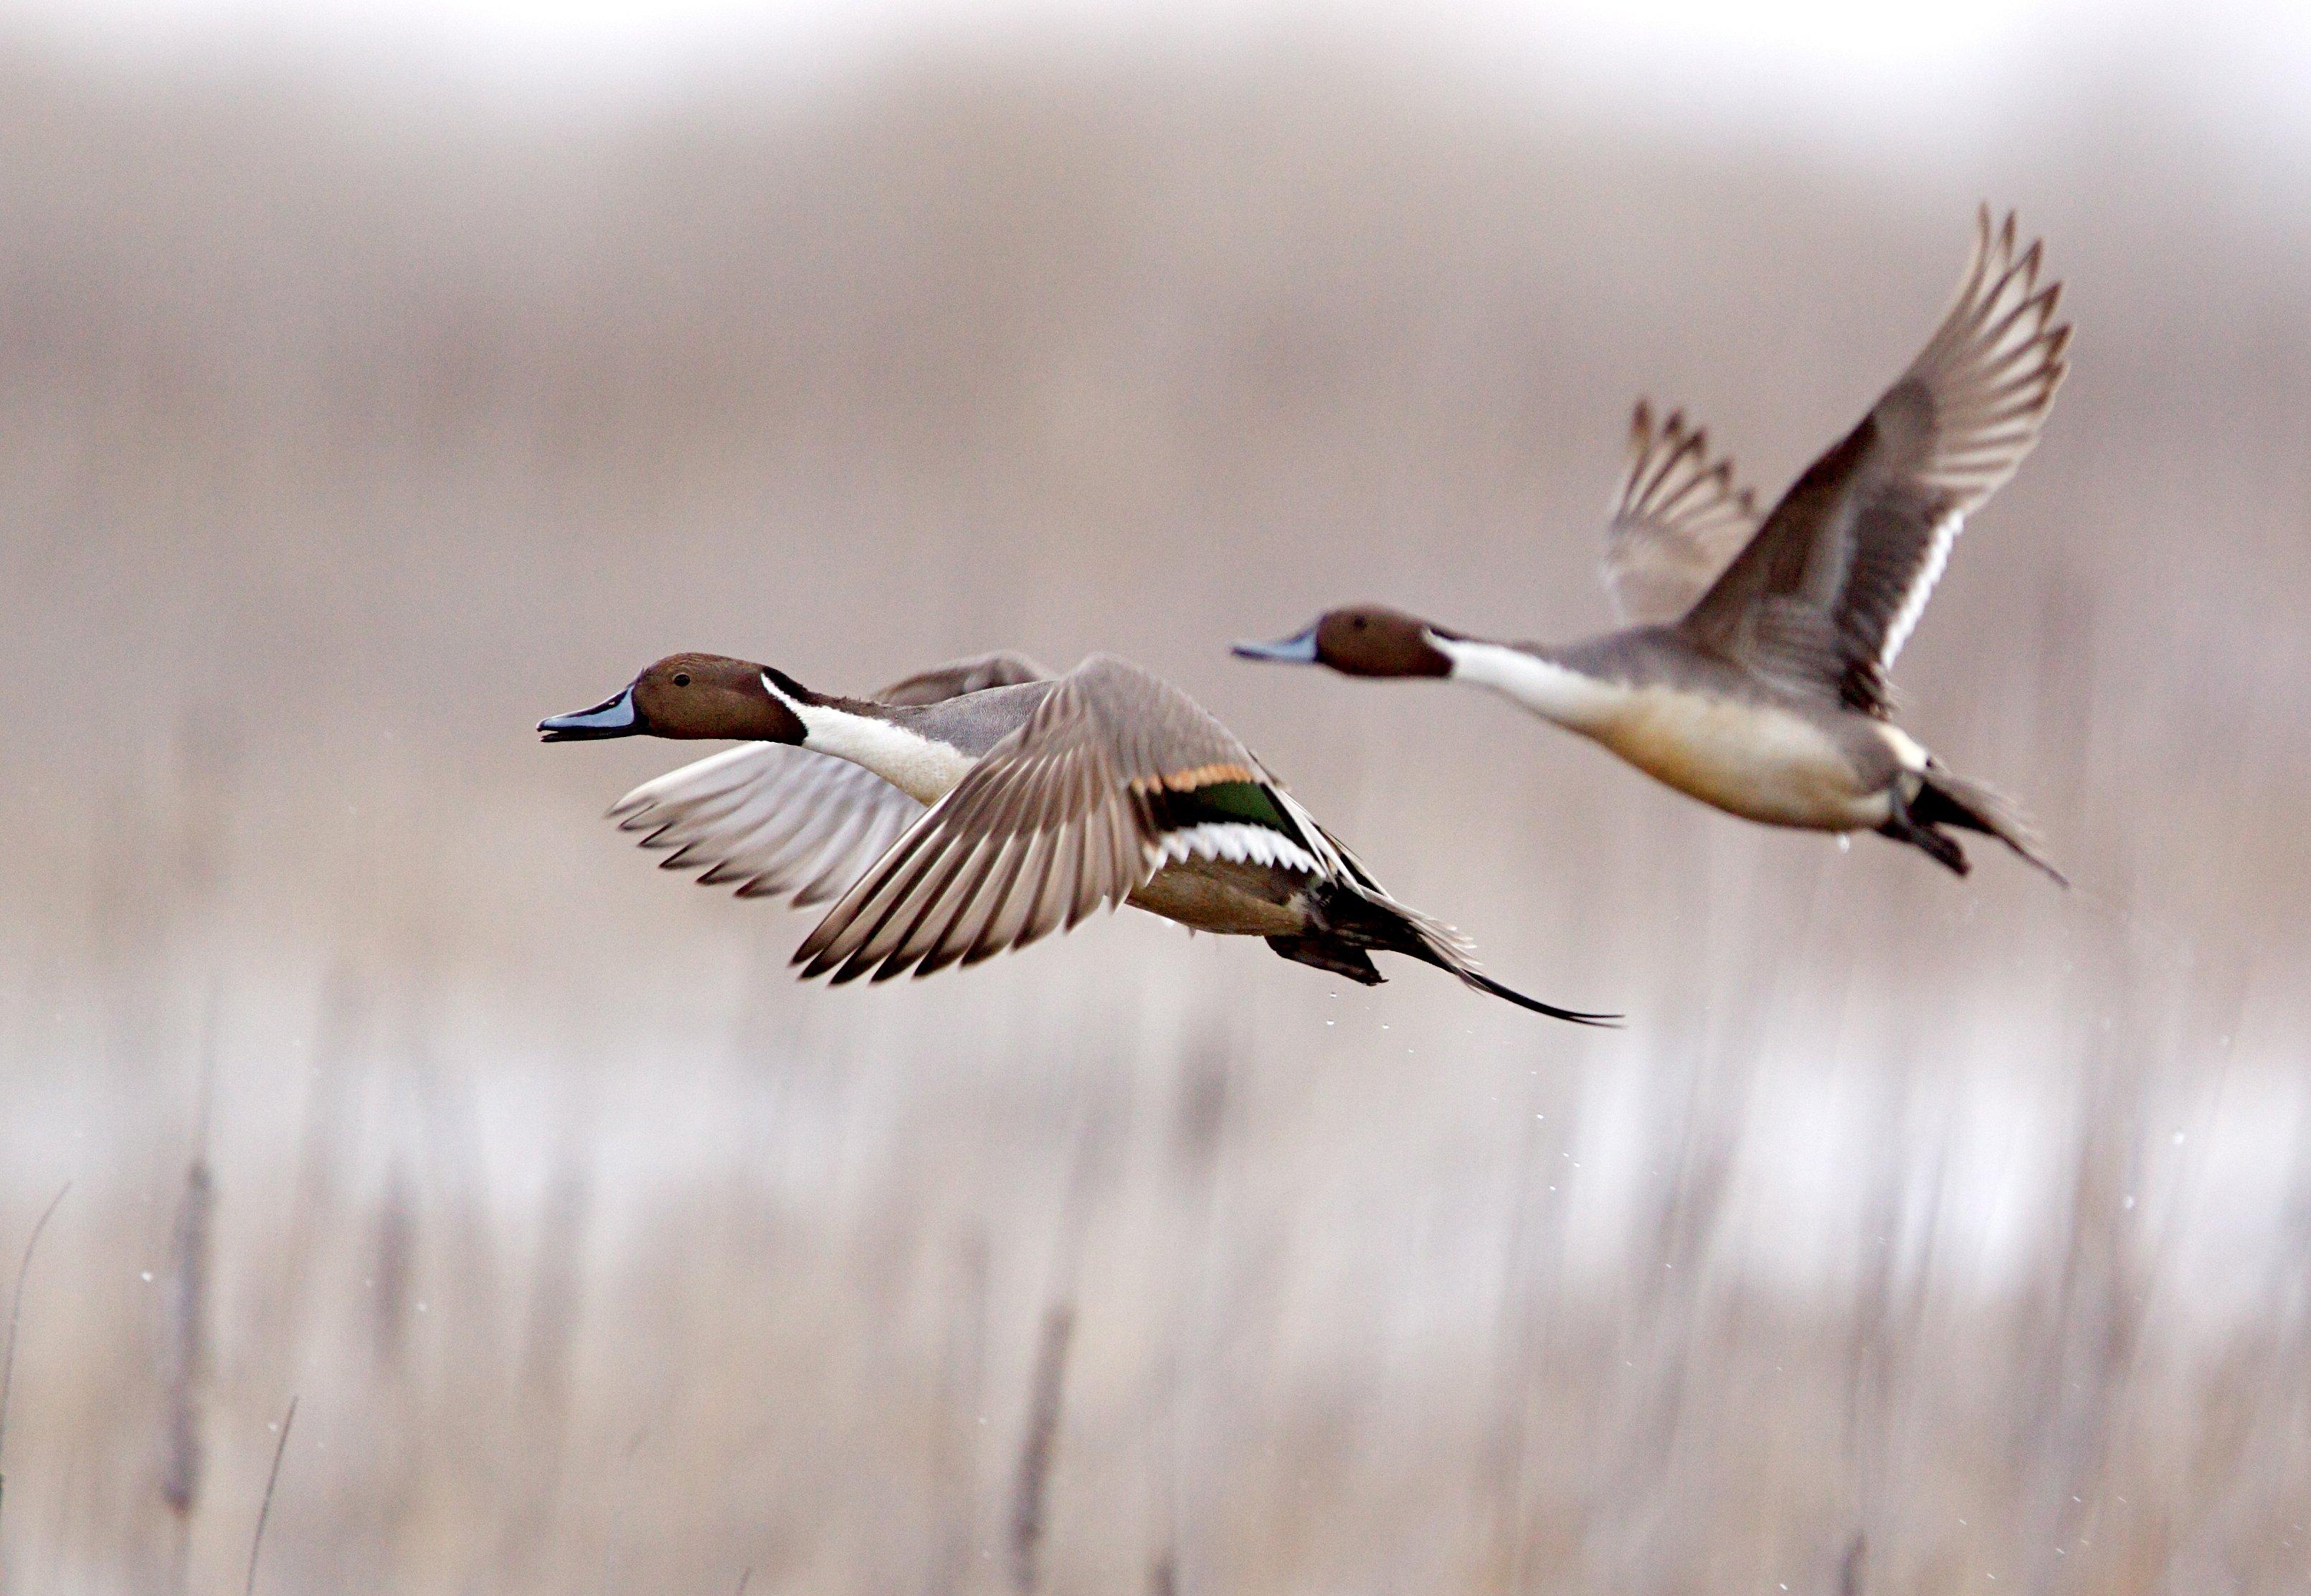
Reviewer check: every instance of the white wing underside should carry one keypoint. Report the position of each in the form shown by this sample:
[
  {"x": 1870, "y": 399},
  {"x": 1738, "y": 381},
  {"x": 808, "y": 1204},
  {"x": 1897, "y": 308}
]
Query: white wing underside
[
  {"x": 771, "y": 820},
  {"x": 1913, "y": 602}
]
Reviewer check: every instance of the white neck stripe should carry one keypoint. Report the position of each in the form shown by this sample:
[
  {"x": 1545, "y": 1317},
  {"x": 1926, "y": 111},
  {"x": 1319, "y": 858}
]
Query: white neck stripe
[
  {"x": 1556, "y": 691},
  {"x": 923, "y": 768}
]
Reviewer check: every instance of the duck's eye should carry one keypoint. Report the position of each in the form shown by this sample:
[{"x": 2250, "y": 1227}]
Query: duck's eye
[{"x": 682, "y": 678}]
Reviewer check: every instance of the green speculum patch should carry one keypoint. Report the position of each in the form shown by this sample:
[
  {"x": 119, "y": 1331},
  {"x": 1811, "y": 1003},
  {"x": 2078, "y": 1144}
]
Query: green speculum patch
[{"x": 1244, "y": 802}]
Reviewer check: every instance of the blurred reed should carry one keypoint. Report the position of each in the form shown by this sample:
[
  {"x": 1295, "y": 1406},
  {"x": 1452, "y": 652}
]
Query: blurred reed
[
  {"x": 16, "y": 1322},
  {"x": 265, "y": 1504}
]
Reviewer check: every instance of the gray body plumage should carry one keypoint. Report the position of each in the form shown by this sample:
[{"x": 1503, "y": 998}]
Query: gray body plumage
[{"x": 1664, "y": 658}]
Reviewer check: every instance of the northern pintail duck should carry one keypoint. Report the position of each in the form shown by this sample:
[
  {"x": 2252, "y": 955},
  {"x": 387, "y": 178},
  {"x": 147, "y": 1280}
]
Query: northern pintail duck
[
  {"x": 1753, "y": 672},
  {"x": 978, "y": 806}
]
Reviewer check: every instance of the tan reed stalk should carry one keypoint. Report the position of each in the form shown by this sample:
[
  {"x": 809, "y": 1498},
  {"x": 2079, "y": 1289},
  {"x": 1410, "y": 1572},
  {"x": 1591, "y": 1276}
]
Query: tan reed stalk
[
  {"x": 265, "y": 1507},
  {"x": 16, "y": 1319},
  {"x": 184, "y": 1337},
  {"x": 184, "y": 1347},
  {"x": 392, "y": 1269},
  {"x": 1039, "y": 1445}
]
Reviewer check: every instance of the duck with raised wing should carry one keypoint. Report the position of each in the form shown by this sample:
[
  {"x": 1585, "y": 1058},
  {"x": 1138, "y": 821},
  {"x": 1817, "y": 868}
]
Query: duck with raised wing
[
  {"x": 978, "y": 806},
  {"x": 1753, "y": 673}
]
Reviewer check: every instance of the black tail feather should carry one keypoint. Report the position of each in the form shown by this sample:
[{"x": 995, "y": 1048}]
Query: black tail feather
[
  {"x": 1354, "y": 919},
  {"x": 1486, "y": 983},
  {"x": 1950, "y": 799}
]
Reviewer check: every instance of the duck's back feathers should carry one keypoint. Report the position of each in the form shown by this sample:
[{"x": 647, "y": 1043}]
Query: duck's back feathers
[
  {"x": 1827, "y": 592},
  {"x": 1113, "y": 774},
  {"x": 1005, "y": 667}
]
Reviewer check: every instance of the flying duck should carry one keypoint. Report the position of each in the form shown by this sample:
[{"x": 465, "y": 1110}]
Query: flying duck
[
  {"x": 978, "y": 806},
  {"x": 1752, "y": 674}
]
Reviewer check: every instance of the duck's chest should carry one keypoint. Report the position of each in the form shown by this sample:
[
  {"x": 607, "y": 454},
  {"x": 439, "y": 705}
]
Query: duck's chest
[
  {"x": 925, "y": 768},
  {"x": 1753, "y": 759}
]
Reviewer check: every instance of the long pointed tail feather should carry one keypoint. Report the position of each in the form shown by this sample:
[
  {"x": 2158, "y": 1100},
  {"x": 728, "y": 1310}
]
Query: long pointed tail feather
[
  {"x": 1951, "y": 799},
  {"x": 1486, "y": 983},
  {"x": 1389, "y": 925}
]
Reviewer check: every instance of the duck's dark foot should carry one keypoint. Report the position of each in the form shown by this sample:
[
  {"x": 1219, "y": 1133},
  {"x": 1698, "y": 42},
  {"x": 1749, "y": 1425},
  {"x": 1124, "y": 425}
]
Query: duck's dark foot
[
  {"x": 1329, "y": 953},
  {"x": 1938, "y": 845}
]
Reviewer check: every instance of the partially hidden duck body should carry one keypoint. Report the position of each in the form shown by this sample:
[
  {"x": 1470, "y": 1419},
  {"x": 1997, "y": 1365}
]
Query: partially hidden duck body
[
  {"x": 980, "y": 806},
  {"x": 1754, "y": 674}
]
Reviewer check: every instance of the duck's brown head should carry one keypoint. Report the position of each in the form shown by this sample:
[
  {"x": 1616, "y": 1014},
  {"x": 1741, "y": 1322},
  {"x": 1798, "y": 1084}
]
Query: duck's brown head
[
  {"x": 689, "y": 696},
  {"x": 1365, "y": 640}
]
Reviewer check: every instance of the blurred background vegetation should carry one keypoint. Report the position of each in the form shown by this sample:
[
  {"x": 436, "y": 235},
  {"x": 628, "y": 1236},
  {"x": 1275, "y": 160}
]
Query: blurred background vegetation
[{"x": 1917, "y": 1235}]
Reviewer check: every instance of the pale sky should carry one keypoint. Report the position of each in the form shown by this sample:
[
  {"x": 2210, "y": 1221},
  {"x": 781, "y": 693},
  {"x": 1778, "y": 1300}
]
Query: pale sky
[
  {"x": 1917, "y": 77},
  {"x": 1902, "y": 70}
]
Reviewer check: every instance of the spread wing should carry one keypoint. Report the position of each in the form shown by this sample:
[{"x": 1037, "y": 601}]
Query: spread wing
[
  {"x": 1827, "y": 594},
  {"x": 1002, "y": 668},
  {"x": 1114, "y": 775},
  {"x": 770, "y": 819},
  {"x": 779, "y": 821},
  {"x": 1677, "y": 521}
]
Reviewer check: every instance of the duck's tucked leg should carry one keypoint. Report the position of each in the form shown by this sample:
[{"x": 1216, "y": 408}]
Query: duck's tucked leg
[
  {"x": 1329, "y": 953},
  {"x": 1938, "y": 845}
]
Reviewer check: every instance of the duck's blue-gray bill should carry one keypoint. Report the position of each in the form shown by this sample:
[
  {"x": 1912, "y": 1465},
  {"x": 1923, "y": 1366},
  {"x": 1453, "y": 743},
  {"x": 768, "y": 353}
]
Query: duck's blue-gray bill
[
  {"x": 613, "y": 718},
  {"x": 1299, "y": 648}
]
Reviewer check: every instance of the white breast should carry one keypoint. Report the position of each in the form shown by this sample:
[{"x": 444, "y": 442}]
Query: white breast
[
  {"x": 925, "y": 769},
  {"x": 1750, "y": 759},
  {"x": 1541, "y": 686},
  {"x": 1753, "y": 760}
]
